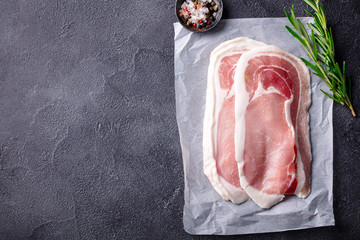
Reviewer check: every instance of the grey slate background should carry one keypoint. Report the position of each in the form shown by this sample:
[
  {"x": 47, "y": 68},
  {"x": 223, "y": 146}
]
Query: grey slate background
[{"x": 89, "y": 147}]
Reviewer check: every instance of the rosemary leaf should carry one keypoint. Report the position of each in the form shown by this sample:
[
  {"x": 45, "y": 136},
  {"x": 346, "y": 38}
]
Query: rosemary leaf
[
  {"x": 330, "y": 96},
  {"x": 295, "y": 35},
  {"x": 309, "y": 64},
  {"x": 315, "y": 46},
  {"x": 311, "y": 4}
]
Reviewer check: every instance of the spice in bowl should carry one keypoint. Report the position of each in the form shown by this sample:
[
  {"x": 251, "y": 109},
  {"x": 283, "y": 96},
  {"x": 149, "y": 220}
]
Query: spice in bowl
[{"x": 198, "y": 14}]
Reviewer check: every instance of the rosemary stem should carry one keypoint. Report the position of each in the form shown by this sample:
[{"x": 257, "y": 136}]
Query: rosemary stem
[{"x": 348, "y": 103}]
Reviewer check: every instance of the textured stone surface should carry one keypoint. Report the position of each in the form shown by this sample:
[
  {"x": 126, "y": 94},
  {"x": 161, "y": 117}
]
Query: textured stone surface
[{"x": 89, "y": 147}]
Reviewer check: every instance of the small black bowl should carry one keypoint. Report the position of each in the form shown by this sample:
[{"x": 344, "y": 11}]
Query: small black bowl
[{"x": 218, "y": 16}]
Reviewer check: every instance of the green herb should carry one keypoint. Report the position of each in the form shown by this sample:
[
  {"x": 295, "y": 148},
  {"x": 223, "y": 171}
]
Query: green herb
[{"x": 319, "y": 47}]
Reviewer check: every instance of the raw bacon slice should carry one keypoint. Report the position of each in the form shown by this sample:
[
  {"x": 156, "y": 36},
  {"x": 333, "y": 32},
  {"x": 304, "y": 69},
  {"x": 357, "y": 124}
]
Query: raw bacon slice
[
  {"x": 272, "y": 145},
  {"x": 220, "y": 165}
]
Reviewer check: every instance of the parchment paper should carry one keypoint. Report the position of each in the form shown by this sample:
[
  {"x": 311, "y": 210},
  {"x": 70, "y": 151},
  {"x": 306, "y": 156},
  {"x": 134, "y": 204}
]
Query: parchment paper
[{"x": 205, "y": 212}]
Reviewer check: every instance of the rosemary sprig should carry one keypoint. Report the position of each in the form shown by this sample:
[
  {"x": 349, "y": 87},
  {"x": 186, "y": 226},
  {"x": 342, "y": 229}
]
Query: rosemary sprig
[{"x": 320, "y": 48}]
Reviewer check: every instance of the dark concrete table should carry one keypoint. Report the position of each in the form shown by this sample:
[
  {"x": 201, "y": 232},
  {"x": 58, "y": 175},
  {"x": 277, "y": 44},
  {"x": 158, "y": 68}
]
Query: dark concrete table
[{"x": 89, "y": 147}]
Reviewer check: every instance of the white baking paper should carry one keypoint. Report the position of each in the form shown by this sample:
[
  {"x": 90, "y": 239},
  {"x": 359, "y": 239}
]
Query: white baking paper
[{"x": 205, "y": 212}]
